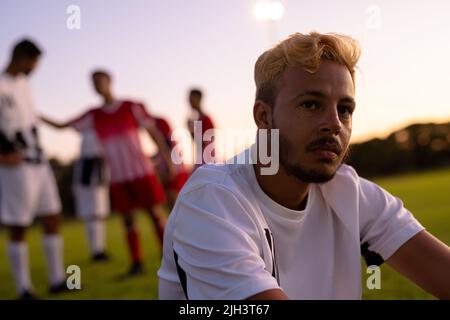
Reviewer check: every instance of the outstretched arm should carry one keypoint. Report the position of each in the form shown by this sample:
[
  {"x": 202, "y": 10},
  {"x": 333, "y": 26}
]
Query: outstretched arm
[
  {"x": 426, "y": 261},
  {"x": 55, "y": 124}
]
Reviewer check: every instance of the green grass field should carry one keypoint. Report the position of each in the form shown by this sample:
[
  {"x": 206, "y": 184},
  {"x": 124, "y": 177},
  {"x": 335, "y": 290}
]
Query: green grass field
[
  {"x": 101, "y": 280},
  {"x": 425, "y": 194}
]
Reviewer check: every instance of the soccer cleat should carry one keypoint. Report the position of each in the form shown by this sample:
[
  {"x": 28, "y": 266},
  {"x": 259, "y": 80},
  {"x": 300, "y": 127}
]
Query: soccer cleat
[
  {"x": 27, "y": 295},
  {"x": 136, "y": 269},
  {"x": 101, "y": 256},
  {"x": 59, "y": 288}
]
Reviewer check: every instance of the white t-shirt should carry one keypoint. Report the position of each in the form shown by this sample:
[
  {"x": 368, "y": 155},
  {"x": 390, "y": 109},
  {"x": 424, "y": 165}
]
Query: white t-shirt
[
  {"x": 224, "y": 231},
  {"x": 90, "y": 145},
  {"x": 18, "y": 120}
]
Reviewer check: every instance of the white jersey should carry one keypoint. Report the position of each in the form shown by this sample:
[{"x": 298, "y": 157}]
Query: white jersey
[
  {"x": 226, "y": 239},
  {"x": 117, "y": 129},
  {"x": 90, "y": 145},
  {"x": 90, "y": 178},
  {"x": 18, "y": 120},
  {"x": 28, "y": 189}
]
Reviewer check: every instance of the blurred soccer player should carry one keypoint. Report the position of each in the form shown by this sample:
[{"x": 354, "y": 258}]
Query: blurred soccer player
[
  {"x": 27, "y": 184},
  {"x": 172, "y": 185},
  {"x": 133, "y": 182},
  {"x": 200, "y": 118},
  {"x": 90, "y": 185}
]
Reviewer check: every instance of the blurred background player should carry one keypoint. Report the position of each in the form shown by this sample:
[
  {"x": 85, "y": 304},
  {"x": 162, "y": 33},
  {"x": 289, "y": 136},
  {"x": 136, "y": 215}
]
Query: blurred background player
[
  {"x": 27, "y": 184},
  {"x": 90, "y": 184},
  {"x": 197, "y": 118},
  {"x": 171, "y": 185},
  {"x": 133, "y": 182}
]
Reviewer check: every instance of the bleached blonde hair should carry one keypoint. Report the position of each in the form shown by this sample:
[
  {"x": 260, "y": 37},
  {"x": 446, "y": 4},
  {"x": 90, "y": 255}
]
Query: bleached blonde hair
[{"x": 306, "y": 51}]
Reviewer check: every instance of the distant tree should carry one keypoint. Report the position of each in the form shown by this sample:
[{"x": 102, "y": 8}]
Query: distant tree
[{"x": 414, "y": 148}]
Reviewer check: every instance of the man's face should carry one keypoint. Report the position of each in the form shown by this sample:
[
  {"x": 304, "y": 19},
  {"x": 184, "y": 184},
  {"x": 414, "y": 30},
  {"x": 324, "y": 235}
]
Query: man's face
[
  {"x": 27, "y": 65},
  {"x": 194, "y": 101},
  {"x": 314, "y": 115},
  {"x": 101, "y": 84}
]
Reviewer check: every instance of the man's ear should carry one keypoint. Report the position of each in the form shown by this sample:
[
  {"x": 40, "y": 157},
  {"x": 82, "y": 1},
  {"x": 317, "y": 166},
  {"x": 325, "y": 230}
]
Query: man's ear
[{"x": 262, "y": 114}]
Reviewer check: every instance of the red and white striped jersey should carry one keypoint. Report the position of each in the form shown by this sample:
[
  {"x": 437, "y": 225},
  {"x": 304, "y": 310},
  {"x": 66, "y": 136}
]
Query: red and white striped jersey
[{"x": 117, "y": 128}]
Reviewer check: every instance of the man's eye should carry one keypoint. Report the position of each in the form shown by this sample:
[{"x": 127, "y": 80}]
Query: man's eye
[
  {"x": 345, "y": 111},
  {"x": 310, "y": 105}
]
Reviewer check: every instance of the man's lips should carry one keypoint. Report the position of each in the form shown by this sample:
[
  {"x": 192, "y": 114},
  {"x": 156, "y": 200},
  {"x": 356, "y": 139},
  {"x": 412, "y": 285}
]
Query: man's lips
[{"x": 329, "y": 151}]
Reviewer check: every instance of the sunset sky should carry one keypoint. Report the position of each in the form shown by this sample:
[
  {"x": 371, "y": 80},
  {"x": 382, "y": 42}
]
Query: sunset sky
[{"x": 157, "y": 50}]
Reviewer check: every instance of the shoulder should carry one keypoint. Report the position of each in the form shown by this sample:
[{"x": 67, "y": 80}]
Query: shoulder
[
  {"x": 220, "y": 190},
  {"x": 219, "y": 175},
  {"x": 345, "y": 176},
  {"x": 137, "y": 107},
  {"x": 212, "y": 201},
  {"x": 132, "y": 103},
  {"x": 8, "y": 83},
  {"x": 347, "y": 179},
  {"x": 204, "y": 117}
]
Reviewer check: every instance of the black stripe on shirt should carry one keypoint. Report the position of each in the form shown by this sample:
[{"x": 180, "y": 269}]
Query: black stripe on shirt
[
  {"x": 269, "y": 238},
  {"x": 181, "y": 275}
]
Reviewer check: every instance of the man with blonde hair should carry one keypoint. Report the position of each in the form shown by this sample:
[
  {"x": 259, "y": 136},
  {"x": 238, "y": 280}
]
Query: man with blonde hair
[{"x": 238, "y": 233}]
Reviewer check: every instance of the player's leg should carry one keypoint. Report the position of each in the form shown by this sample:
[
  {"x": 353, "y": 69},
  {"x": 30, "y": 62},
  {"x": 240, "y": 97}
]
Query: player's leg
[
  {"x": 150, "y": 196},
  {"x": 122, "y": 201},
  {"x": 54, "y": 255},
  {"x": 19, "y": 258},
  {"x": 92, "y": 205},
  {"x": 96, "y": 234},
  {"x": 101, "y": 210},
  {"x": 159, "y": 217},
  {"x": 48, "y": 208},
  {"x": 175, "y": 185},
  {"x": 171, "y": 197},
  {"x": 16, "y": 214},
  {"x": 134, "y": 244}
]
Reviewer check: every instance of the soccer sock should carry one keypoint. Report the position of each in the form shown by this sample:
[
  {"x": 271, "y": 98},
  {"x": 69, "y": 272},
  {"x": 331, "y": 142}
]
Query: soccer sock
[
  {"x": 53, "y": 249},
  {"x": 18, "y": 256},
  {"x": 159, "y": 223},
  {"x": 95, "y": 230},
  {"x": 134, "y": 244},
  {"x": 160, "y": 231}
]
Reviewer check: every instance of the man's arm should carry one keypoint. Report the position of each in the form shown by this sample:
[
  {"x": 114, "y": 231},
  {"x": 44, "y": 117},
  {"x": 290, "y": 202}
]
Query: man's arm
[
  {"x": 426, "y": 261},
  {"x": 55, "y": 124},
  {"x": 158, "y": 138}
]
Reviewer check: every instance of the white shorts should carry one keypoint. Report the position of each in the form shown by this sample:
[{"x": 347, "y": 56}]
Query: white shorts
[
  {"x": 91, "y": 189},
  {"x": 91, "y": 201},
  {"x": 27, "y": 191}
]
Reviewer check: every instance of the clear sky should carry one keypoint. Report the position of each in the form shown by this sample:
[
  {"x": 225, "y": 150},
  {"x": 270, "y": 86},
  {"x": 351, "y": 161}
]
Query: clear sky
[{"x": 157, "y": 50}]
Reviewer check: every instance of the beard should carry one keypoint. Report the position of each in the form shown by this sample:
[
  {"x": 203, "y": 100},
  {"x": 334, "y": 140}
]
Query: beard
[{"x": 298, "y": 170}]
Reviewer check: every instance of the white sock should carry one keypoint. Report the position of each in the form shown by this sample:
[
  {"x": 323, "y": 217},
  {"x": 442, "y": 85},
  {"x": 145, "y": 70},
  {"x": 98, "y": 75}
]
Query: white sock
[
  {"x": 95, "y": 231},
  {"x": 53, "y": 248},
  {"x": 18, "y": 255}
]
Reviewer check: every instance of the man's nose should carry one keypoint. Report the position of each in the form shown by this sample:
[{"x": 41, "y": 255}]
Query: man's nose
[{"x": 331, "y": 123}]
